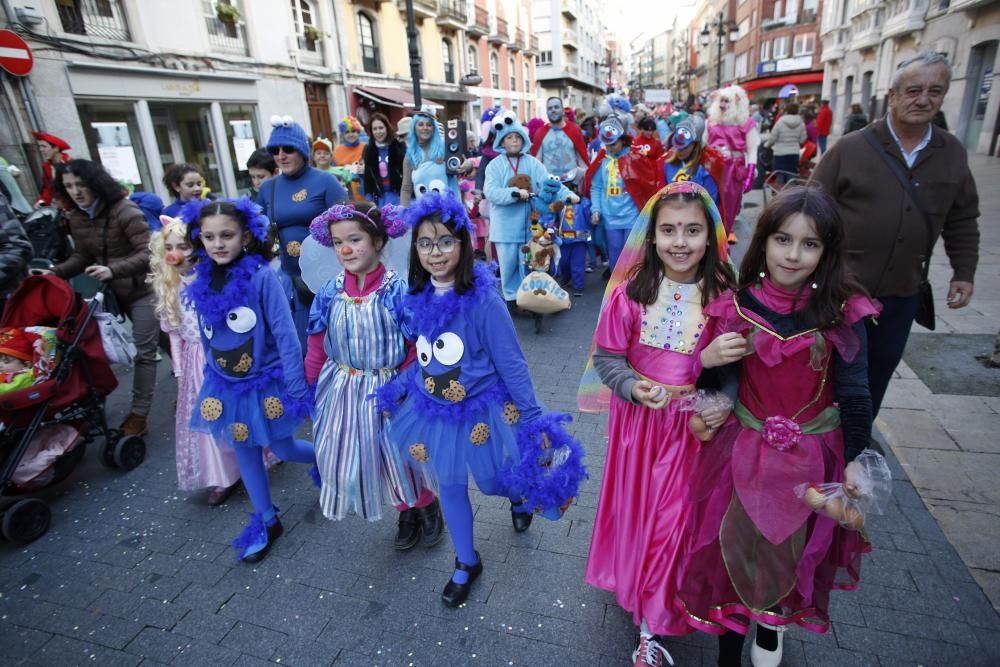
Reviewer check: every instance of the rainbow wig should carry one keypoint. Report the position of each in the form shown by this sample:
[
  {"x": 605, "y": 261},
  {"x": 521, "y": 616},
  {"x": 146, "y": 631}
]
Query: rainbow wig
[
  {"x": 350, "y": 124},
  {"x": 592, "y": 395}
]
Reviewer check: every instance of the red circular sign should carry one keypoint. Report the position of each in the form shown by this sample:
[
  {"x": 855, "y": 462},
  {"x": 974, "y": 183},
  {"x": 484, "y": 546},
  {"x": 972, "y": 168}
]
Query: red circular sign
[{"x": 15, "y": 56}]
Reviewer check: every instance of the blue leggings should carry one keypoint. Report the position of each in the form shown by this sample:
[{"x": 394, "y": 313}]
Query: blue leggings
[
  {"x": 457, "y": 510},
  {"x": 254, "y": 474}
]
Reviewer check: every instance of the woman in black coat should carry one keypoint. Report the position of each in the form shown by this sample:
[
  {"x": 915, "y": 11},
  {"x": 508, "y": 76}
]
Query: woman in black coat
[{"x": 383, "y": 159}]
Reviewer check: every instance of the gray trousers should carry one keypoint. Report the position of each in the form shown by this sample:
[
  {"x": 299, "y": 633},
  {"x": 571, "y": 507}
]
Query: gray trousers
[{"x": 146, "y": 332}]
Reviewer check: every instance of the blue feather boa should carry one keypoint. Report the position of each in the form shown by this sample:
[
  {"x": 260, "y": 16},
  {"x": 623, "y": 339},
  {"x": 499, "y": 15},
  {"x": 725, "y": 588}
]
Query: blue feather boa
[
  {"x": 212, "y": 305},
  {"x": 430, "y": 313},
  {"x": 547, "y": 479}
]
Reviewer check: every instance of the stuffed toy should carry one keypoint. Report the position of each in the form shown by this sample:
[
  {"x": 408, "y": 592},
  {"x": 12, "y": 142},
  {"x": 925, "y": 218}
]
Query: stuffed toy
[
  {"x": 523, "y": 182},
  {"x": 541, "y": 249}
]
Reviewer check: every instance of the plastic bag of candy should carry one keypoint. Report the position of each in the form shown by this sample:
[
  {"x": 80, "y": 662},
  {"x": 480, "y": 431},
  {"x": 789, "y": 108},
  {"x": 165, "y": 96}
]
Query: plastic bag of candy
[
  {"x": 872, "y": 482},
  {"x": 697, "y": 402}
]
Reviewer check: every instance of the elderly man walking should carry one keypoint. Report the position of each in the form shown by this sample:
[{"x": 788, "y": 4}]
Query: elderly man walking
[{"x": 900, "y": 184}]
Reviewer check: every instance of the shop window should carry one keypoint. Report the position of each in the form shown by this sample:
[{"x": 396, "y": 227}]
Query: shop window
[
  {"x": 369, "y": 45},
  {"x": 113, "y": 139},
  {"x": 242, "y": 138}
]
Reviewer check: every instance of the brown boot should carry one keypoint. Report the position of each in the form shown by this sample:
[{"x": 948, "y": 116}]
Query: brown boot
[{"x": 134, "y": 425}]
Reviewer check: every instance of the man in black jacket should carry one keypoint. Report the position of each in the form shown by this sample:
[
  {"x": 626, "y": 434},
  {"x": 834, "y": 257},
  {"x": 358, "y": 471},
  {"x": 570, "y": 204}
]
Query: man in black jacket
[{"x": 15, "y": 250}]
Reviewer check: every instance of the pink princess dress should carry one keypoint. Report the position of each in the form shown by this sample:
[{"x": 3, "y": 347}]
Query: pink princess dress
[
  {"x": 759, "y": 553},
  {"x": 643, "y": 524},
  {"x": 731, "y": 141}
]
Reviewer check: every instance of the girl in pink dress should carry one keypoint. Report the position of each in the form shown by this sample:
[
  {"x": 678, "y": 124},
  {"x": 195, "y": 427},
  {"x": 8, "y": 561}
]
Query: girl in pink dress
[
  {"x": 200, "y": 463},
  {"x": 732, "y": 132},
  {"x": 651, "y": 326},
  {"x": 796, "y": 326}
]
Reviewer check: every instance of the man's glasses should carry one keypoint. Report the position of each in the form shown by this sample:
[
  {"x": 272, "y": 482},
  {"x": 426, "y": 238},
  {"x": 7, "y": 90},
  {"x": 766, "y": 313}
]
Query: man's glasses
[
  {"x": 274, "y": 150},
  {"x": 445, "y": 245}
]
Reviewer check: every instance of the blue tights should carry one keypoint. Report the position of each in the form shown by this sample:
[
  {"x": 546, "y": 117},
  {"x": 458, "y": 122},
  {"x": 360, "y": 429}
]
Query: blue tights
[
  {"x": 254, "y": 474},
  {"x": 457, "y": 510}
]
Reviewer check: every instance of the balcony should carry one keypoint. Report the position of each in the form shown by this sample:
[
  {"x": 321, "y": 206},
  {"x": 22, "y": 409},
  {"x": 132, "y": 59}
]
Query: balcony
[
  {"x": 832, "y": 50},
  {"x": 569, "y": 8},
  {"x": 422, "y": 9},
  {"x": 499, "y": 35},
  {"x": 94, "y": 18},
  {"x": 452, "y": 14},
  {"x": 225, "y": 37},
  {"x": 518, "y": 43},
  {"x": 569, "y": 39},
  {"x": 480, "y": 26},
  {"x": 532, "y": 45},
  {"x": 966, "y": 5},
  {"x": 868, "y": 38},
  {"x": 780, "y": 22},
  {"x": 906, "y": 21}
]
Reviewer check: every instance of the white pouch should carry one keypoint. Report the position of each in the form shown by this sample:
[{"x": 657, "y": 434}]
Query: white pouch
[{"x": 119, "y": 346}]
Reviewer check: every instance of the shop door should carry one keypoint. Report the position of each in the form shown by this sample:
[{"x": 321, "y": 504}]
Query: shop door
[
  {"x": 183, "y": 134},
  {"x": 319, "y": 110},
  {"x": 978, "y": 88}
]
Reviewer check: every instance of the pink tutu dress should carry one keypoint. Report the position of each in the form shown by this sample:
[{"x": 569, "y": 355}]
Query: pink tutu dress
[
  {"x": 731, "y": 141},
  {"x": 643, "y": 524},
  {"x": 759, "y": 552}
]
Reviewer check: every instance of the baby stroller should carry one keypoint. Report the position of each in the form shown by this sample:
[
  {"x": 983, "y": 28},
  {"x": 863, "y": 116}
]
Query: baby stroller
[{"x": 68, "y": 392}]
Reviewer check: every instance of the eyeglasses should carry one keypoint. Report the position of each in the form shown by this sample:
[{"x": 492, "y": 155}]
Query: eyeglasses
[
  {"x": 274, "y": 150},
  {"x": 445, "y": 245}
]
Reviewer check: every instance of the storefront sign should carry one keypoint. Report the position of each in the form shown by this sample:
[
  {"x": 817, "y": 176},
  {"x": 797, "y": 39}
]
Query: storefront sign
[
  {"x": 243, "y": 142},
  {"x": 182, "y": 88},
  {"x": 657, "y": 96},
  {"x": 114, "y": 146},
  {"x": 784, "y": 65}
]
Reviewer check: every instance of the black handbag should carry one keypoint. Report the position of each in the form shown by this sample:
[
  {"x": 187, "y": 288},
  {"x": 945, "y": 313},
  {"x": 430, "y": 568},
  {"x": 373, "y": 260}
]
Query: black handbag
[{"x": 925, "y": 294}]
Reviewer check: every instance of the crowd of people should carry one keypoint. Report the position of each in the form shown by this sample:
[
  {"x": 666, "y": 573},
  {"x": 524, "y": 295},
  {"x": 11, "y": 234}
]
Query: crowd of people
[{"x": 726, "y": 389}]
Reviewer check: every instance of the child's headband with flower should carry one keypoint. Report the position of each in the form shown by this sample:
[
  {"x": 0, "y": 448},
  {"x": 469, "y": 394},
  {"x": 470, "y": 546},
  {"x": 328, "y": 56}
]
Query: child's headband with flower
[
  {"x": 392, "y": 221},
  {"x": 446, "y": 206},
  {"x": 256, "y": 222}
]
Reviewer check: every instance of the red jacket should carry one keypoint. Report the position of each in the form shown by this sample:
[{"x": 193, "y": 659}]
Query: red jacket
[
  {"x": 574, "y": 133},
  {"x": 642, "y": 176},
  {"x": 824, "y": 121},
  {"x": 651, "y": 148}
]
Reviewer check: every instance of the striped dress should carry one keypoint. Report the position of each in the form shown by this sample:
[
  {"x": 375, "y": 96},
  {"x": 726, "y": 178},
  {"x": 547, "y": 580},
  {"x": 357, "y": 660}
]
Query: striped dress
[{"x": 360, "y": 469}]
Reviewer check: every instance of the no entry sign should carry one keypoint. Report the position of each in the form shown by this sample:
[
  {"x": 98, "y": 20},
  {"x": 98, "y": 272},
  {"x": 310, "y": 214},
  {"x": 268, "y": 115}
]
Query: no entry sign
[{"x": 15, "y": 56}]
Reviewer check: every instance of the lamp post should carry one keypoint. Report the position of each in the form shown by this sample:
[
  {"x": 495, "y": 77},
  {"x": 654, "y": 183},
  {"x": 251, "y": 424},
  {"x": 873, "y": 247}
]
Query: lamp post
[
  {"x": 411, "y": 38},
  {"x": 722, "y": 28}
]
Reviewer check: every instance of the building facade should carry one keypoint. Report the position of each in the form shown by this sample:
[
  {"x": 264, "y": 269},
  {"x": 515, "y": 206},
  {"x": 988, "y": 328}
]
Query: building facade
[
  {"x": 864, "y": 41},
  {"x": 571, "y": 58}
]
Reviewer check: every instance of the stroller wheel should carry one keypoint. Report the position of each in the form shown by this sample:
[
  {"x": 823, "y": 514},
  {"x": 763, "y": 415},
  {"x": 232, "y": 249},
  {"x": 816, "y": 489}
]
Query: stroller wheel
[
  {"x": 129, "y": 452},
  {"x": 25, "y": 521}
]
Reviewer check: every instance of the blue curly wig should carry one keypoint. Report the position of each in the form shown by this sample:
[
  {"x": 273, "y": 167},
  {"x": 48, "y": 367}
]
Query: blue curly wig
[
  {"x": 446, "y": 205},
  {"x": 417, "y": 154}
]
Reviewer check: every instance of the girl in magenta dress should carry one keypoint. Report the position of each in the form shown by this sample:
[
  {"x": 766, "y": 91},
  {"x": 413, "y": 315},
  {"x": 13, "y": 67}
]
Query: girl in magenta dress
[
  {"x": 796, "y": 325},
  {"x": 651, "y": 327}
]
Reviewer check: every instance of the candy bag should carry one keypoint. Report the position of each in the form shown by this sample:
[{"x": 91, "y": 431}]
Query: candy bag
[
  {"x": 698, "y": 401},
  {"x": 873, "y": 480}
]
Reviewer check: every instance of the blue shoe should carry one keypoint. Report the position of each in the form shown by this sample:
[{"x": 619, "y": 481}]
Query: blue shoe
[
  {"x": 314, "y": 475},
  {"x": 255, "y": 541}
]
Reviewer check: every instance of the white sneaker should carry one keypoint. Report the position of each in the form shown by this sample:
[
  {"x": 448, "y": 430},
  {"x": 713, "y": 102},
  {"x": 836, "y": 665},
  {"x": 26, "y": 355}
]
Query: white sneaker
[
  {"x": 650, "y": 653},
  {"x": 761, "y": 657}
]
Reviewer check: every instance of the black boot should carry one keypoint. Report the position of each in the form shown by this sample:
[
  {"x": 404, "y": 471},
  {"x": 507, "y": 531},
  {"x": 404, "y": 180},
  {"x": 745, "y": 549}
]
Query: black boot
[
  {"x": 455, "y": 594},
  {"x": 409, "y": 530},
  {"x": 273, "y": 532},
  {"x": 521, "y": 520},
  {"x": 431, "y": 523}
]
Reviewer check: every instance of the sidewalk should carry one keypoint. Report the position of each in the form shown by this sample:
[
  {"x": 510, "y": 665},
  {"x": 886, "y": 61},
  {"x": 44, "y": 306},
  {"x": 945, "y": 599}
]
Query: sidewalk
[
  {"x": 947, "y": 435},
  {"x": 134, "y": 572}
]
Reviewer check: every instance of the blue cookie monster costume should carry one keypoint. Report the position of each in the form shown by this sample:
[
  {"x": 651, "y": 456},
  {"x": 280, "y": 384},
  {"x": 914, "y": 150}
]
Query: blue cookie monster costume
[
  {"x": 254, "y": 393},
  {"x": 468, "y": 405}
]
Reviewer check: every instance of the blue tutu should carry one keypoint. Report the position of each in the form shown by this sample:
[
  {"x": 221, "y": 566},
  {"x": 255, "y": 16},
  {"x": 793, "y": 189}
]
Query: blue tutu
[{"x": 251, "y": 413}]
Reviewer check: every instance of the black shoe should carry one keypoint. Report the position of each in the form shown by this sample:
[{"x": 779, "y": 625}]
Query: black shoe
[
  {"x": 274, "y": 531},
  {"x": 521, "y": 520},
  {"x": 409, "y": 530},
  {"x": 431, "y": 523},
  {"x": 455, "y": 594}
]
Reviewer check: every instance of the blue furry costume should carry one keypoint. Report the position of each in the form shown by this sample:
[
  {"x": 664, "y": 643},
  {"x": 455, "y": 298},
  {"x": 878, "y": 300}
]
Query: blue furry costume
[
  {"x": 254, "y": 394},
  {"x": 468, "y": 404}
]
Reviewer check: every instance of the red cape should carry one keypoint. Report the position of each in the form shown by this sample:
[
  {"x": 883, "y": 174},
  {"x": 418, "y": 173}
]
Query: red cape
[
  {"x": 642, "y": 176},
  {"x": 574, "y": 133}
]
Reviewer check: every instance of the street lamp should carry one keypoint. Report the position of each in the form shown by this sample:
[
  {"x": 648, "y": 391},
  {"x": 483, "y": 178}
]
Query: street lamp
[{"x": 722, "y": 28}]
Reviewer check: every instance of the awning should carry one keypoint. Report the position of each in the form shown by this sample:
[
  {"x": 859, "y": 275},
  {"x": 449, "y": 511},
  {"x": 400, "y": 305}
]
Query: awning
[
  {"x": 392, "y": 97},
  {"x": 447, "y": 94},
  {"x": 778, "y": 81}
]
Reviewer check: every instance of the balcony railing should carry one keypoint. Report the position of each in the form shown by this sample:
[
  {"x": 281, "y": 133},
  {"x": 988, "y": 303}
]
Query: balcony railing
[
  {"x": 480, "y": 24},
  {"x": 499, "y": 35},
  {"x": 533, "y": 43},
  {"x": 452, "y": 13},
  {"x": 226, "y": 37},
  {"x": 519, "y": 38},
  {"x": 421, "y": 8},
  {"x": 96, "y": 18}
]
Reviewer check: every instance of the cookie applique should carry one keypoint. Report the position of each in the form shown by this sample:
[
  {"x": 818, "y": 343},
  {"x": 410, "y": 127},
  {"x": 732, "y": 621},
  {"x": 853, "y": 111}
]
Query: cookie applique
[
  {"x": 480, "y": 434},
  {"x": 293, "y": 249},
  {"x": 510, "y": 412},
  {"x": 419, "y": 453},
  {"x": 429, "y": 384},
  {"x": 211, "y": 409},
  {"x": 300, "y": 196},
  {"x": 455, "y": 392},
  {"x": 244, "y": 365},
  {"x": 273, "y": 407},
  {"x": 240, "y": 431}
]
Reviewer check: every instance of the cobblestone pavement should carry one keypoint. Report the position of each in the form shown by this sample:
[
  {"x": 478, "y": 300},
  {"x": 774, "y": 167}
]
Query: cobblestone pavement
[{"x": 134, "y": 572}]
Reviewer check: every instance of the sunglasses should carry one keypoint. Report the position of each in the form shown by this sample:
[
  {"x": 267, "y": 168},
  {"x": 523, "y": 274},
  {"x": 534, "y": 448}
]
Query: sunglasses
[{"x": 274, "y": 150}]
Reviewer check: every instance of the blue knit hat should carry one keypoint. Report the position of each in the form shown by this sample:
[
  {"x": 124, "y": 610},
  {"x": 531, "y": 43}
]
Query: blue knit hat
[{"x": 286, "y": 132}]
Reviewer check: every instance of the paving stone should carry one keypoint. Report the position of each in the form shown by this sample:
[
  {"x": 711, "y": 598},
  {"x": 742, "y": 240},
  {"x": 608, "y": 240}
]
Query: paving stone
[
  {"x": 199, "y": 653},
  {"x": 17, "y": 643},
  {"x": 252, "y": 639},
  {"x": 67, "y": 651},
  {"x": 210, "y": 628},
  {"x": 158, "y": 613},
  {"x": 158, "y": 645},
  {"x": 905, "y": 623}
]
